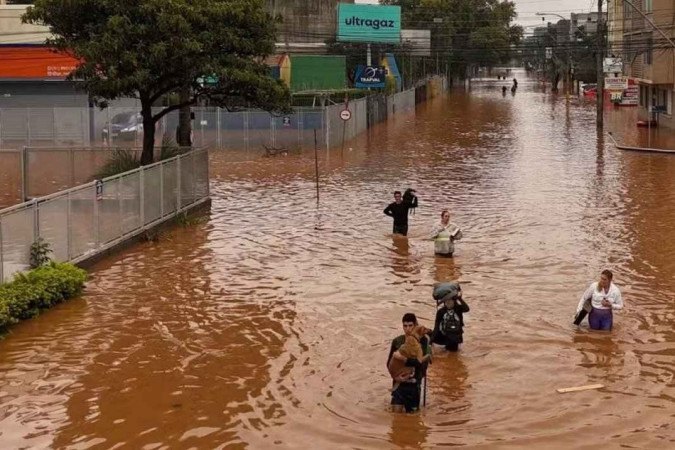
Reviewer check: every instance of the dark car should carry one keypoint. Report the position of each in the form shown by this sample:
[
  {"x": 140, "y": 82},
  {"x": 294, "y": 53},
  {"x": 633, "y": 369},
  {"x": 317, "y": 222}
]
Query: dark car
[{"x": 127, "y": 126}]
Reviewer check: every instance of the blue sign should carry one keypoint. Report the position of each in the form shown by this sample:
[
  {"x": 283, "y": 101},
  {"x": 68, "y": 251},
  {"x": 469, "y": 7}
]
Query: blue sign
[
  {"x": 369, "y": 23},
  {"x": 370, "y": 77}
]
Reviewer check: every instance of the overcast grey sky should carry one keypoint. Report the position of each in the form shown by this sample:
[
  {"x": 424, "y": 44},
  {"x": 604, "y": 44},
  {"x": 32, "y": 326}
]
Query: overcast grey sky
[{"x": 527, "y": 8}]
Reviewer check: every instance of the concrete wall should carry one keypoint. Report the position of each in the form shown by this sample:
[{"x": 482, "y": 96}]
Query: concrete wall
[
  {"x": 41, "y": 94},
  {"x": 12, "y": 31},
  {"x": 305, "y": 21}
]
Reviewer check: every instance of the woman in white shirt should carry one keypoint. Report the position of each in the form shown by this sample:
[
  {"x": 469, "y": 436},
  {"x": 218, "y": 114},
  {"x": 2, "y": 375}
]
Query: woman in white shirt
[
  {"x": 445, "y": 234},
  {"x": 604, "y": 297}
]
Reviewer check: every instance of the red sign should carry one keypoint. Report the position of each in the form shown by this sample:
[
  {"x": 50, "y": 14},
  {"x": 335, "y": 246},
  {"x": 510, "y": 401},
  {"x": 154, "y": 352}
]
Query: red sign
[{"x": 34, "y": 62}]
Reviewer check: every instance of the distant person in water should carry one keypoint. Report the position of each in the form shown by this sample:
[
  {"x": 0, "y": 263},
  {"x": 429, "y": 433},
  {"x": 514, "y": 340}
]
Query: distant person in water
[
  {"x": 504, "y": 90},
  {"x": 399, "y": 209},
  {"x": 604, "y": 297}
]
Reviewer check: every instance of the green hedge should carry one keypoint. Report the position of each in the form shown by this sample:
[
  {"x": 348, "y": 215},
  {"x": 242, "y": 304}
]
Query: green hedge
[{"x": 38, "y": 289}]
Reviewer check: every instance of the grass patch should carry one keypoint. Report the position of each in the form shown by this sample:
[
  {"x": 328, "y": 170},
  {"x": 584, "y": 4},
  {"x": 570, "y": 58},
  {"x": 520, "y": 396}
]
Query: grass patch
[
  {"x": 120, "y": 161},
  {"x": 39, "y": 289}
]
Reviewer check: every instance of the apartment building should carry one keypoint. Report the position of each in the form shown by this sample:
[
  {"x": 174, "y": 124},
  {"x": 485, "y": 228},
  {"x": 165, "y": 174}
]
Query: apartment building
[{"x": 649, "y": 56}]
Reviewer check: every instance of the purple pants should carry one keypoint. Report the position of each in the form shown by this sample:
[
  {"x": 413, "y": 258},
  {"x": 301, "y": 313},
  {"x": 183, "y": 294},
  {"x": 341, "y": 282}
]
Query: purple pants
[{"x": 600, "y": 319}]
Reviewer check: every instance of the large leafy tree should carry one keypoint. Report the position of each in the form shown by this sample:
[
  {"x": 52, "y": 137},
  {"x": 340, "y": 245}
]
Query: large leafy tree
[
  {"x": 149, "y": 48},
  {"x": 466, "y": 32}
]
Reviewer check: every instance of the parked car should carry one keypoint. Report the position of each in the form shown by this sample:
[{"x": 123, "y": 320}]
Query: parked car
[
  {"x": 126, "y": 126},
  {"x": 589, "y": 89}
]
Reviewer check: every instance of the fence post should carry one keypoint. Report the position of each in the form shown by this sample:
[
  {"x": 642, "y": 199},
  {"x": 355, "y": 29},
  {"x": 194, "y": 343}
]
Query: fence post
[
  {"x": 201, "y": 123},
  {"x": 246, "y": 129},
  {"x": 273, "y": 132},
  {"x": 24, "y": 175},
  {"x": 218, "y": 127},
  {"x": 28, "y": 125},
  {"x": 108, "y": 127},
  {"x": 71, "y": 154},
  {"x": 69, "y": 239},
  {"x": 119, "y": 205},
  {"x": 208, "y": 176},
  {"x": 36, "y": 220},
  {"x": 161, "y": 190},
  {"x": 299, "y": 123},
  {"x": 97, "y": 232},
  {"x": 85, "y": 126},
  {"x": 326, "y": 125},
  {"x": 194, "y": 178},
  {"x": 178, "y": 182},
  {"x": 141, "y": 180},
  {"x": 54, "y": 142}
]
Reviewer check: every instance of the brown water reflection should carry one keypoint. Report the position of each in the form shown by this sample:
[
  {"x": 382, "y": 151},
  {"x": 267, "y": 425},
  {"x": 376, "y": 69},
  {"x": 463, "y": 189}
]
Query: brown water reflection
[{"x": 268, "y": 325}]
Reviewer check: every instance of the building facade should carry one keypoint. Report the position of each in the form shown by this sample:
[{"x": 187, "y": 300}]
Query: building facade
[
  {"x": 305, "y": 25},
  {"x": 649, "y": 56}
]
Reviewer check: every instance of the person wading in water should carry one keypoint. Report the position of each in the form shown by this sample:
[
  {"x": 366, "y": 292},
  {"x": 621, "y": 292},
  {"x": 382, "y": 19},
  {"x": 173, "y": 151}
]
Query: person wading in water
[
  {"x": 407, "y": 396},
  {"x": 399, "y": 211},
  {"x": 444, "y": 235}
]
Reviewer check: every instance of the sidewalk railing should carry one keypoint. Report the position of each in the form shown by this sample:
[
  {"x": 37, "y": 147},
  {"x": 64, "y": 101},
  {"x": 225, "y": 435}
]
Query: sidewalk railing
[{"x": 83, "y": 221}]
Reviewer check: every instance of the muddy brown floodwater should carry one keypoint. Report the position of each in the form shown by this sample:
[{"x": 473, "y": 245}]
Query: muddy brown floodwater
[{"x": 268, "y": 324}]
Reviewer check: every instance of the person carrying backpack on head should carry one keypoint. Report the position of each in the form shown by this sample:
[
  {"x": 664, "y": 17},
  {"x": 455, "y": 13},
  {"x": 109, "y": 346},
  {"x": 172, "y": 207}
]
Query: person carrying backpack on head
[{"x": 449, "y": 324}]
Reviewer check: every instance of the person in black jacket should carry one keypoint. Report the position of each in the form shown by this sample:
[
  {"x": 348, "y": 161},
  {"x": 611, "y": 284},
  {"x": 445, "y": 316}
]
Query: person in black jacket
[
  {"x": 449, "y": 324},
  {"x": 399, "y": 211}
]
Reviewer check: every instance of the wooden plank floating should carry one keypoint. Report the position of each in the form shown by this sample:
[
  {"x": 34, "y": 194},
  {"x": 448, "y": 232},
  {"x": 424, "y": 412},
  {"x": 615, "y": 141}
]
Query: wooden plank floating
[{"x": 580, "y": 388}]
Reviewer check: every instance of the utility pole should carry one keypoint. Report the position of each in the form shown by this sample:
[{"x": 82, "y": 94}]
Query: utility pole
[{"x": 600, "y": 53}]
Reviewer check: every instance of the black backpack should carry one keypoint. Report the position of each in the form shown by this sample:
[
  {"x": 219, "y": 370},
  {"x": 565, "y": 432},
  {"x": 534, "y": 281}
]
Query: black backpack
[
  {"x": 408, "y": 198},
  {"x": 450, "y": 323}
]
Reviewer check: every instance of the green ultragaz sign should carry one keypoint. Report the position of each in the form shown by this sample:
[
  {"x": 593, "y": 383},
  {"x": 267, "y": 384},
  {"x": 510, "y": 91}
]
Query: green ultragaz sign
[{"x": 369, "y": 23}]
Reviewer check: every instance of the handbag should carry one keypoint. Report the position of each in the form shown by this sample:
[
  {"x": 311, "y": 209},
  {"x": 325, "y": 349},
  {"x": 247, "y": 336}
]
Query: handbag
[{"x": 579, "y": 317}]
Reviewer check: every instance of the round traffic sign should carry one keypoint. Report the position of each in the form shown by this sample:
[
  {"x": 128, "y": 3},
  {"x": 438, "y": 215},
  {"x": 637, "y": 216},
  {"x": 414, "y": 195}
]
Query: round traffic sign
[{"x": 345, "y": 114}]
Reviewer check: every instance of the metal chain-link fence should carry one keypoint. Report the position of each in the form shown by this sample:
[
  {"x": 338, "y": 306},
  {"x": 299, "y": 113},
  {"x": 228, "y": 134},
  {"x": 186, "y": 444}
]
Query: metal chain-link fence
[{"x": 82, "y": 221}]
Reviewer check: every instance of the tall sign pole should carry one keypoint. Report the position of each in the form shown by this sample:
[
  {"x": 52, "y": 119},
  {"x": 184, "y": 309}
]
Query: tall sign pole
[{"x": 599, "y": 55}]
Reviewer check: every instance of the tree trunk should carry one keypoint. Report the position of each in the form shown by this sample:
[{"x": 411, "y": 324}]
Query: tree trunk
[
  {"x": 147, "y": 156},
  {"x": 184, "y": 120},
  {"x": 554, "y": 84}
]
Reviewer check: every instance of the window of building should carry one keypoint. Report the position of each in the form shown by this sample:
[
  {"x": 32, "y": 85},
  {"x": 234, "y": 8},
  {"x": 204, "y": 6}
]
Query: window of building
[
  {"x": 669, "y": 99},
  {"x": 664, "y": 98},
  {"x": 648, "y": 6},
  {"x": 648, "y": 53},
  {"x": 643, "y": 95}
]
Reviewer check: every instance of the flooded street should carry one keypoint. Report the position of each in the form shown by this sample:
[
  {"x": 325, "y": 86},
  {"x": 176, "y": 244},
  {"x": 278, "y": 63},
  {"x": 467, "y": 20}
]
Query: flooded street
[{"x": 268, "y": 324}]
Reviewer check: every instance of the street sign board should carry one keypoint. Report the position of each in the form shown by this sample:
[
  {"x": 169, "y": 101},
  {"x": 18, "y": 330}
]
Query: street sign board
[
  {"x": 345, "y": 114},
  {"x": 370, "y": 77},
  {"x": 612, "y": 65},
  {"x": 631, "y": 96},
  {"x": 99, "y": 189},
  {"x": 369, "y": 23},
  {"x": 417, "y": 42},
  {"x": 616, "y": 84}
]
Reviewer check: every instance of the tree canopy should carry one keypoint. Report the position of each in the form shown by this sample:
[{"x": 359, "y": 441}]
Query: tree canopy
[
  {"x": 149, "y": 48},
  {"x": 466, "y": 32}
]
